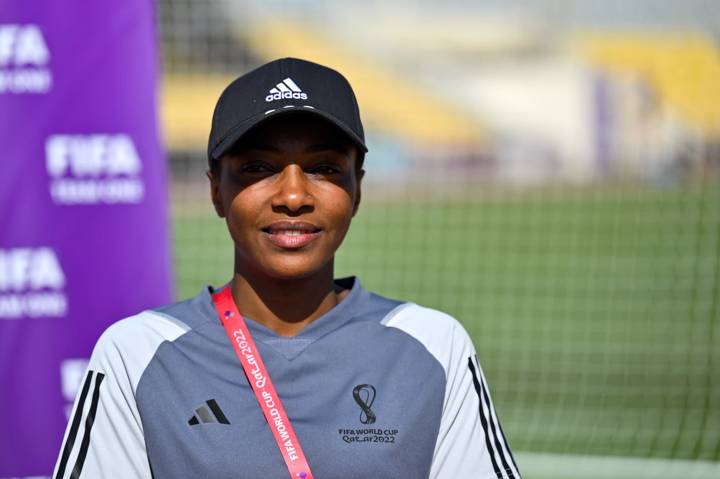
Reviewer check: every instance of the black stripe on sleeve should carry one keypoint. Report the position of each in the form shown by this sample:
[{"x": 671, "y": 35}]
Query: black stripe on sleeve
[
  {"x": 486, "y": 396},
  {"x": 488, "y": 442},
  {"x": 85, "y": 444},
  {"x": 507, "y": 446},
  {"x": 217, "y": 411},
  {"x": 70, "y": 441}
]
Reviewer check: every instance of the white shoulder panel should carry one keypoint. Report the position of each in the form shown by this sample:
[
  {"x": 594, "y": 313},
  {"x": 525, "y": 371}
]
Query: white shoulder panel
[
  {"x": 470, "y": 443},
  {"x": 104, "y": 437},
  {"x": 131, "y": 343},
  {"x": 440, "y": 333}
]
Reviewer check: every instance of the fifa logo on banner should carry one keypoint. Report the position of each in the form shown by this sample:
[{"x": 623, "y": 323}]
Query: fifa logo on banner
[
  {"x": 93, "y": 169},
  {"x": 31, "y": 284},
  {"x": 24, "y": 57}
]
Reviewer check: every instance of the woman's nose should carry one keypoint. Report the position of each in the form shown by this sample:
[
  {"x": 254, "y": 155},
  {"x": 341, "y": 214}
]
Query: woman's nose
[{"x": 293, "y": 193}]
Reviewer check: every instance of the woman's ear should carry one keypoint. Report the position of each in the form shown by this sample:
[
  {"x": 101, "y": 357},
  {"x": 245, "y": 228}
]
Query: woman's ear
[
  {"x": 360, "y": 174},
  {"x": 215, "y": 195}
]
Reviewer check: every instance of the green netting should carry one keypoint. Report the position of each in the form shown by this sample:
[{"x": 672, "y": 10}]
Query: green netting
[{"x": 594, "y": 307}]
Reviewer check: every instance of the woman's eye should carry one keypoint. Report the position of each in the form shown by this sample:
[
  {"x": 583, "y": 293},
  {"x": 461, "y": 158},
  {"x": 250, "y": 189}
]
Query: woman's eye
[
  {"x": 256, "y": 168},
  {"x": 325, "y": 170}
]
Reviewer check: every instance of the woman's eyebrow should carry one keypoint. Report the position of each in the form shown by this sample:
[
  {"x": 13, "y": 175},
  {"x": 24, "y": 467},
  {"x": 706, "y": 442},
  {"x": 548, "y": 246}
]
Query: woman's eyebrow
[
  {"x": 337, "y": 147},
  {"x": 260, "y": 147}
]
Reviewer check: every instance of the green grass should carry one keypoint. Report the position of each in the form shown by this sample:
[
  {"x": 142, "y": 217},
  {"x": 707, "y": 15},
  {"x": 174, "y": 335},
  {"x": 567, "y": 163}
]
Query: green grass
[{"x": 595, "y": 313}]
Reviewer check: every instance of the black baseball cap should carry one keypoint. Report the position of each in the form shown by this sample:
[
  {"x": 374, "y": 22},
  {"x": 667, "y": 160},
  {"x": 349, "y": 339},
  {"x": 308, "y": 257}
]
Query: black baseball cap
[{"x": 282, "y": 86}]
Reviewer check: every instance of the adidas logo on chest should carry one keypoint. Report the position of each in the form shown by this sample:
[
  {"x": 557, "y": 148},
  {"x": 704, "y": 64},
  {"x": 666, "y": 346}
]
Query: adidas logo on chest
[{"x": 286, "y": 89}]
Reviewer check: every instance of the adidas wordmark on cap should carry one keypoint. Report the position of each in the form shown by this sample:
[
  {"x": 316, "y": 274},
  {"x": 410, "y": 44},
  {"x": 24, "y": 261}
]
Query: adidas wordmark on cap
[{"x": 278, "y": 87}]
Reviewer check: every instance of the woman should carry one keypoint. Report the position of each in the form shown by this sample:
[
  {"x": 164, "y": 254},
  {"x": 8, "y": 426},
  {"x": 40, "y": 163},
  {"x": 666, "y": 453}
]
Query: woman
[{"x": 286, "y": 372}]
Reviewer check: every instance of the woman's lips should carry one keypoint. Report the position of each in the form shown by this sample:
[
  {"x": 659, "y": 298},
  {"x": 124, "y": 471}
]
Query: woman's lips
[{"x": 291, "y": 235}]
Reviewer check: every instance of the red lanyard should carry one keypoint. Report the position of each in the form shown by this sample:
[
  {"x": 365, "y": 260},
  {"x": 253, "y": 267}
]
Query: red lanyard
[{"x": 259, "y": 379}]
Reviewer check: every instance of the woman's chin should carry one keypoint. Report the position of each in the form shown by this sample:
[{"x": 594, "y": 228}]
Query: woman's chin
[{"x": 296, "y": 269}]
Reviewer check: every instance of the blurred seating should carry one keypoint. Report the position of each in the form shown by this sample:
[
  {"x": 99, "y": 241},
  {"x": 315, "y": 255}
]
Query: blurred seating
[
  {"x": 682, "y": 68},
  {"x": 390, "y": 101}
]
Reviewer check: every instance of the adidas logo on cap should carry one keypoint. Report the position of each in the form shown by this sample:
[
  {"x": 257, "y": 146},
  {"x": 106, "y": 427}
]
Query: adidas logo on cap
[{"x": 286, "y": 89}]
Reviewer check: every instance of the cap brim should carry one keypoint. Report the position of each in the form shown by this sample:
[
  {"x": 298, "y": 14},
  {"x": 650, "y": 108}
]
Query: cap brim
[{"x": 240, "y": 130}]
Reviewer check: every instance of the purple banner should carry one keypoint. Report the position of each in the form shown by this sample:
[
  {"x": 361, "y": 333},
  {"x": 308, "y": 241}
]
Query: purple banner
[{"x": 83, "y": 204}]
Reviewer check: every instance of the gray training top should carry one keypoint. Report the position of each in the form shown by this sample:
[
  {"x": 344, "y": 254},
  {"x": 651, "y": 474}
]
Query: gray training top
[{"x": 375, "y": 388}]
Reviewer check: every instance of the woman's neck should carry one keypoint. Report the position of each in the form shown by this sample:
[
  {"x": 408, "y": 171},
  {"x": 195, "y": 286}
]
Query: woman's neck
[{"x": 285, "y": 306}]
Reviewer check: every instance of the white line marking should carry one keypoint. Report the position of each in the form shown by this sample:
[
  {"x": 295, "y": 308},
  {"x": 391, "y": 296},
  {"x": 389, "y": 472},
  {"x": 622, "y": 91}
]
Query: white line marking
[{"x": 536, "y": 465}]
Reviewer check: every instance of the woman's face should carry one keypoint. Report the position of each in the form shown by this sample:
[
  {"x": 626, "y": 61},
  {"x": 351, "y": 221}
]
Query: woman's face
[{"x": 288, "y": 192}]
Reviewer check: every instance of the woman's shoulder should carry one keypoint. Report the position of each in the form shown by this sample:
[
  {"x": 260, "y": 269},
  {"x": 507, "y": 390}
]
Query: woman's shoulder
[
  {"x": 440, "y": 333},
  {"x": 164, "y": 323},
  {"x": 425, "y": 321},
  {"x": 416, "y": 313},
  {"x": 126, "y": 348},
  {"x": 148, "y": 325},
  {"x": 140, "y": 335}
]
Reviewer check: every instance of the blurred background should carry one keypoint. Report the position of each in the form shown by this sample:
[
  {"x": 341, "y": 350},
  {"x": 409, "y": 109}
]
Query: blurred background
[{"x": 546, "y": 171}]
